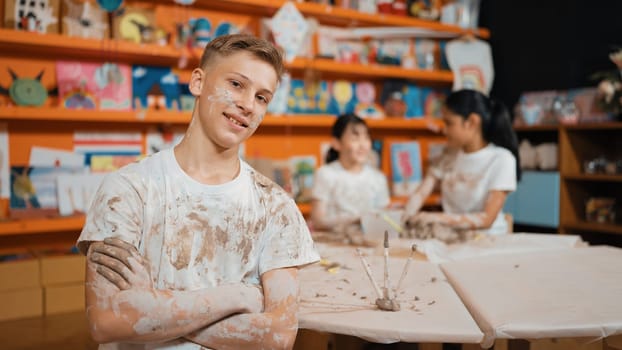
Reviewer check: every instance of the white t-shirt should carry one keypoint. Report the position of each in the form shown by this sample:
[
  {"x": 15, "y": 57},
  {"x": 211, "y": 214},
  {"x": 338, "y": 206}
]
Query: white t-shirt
[
  {"x": 467, "y": 178},
  {"x": 195, "y": 235},
  {"x": 349, "y": 193},
  {"x": 471, "y": 63}
]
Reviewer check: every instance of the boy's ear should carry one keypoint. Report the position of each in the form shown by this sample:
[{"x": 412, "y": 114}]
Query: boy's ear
[
  {"x": 196, "y": 82},
  {"x": 335, "y": 144}
]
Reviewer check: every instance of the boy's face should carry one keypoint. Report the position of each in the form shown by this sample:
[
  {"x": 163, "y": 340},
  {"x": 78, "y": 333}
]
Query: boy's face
[{"x": 233, "y": 95}]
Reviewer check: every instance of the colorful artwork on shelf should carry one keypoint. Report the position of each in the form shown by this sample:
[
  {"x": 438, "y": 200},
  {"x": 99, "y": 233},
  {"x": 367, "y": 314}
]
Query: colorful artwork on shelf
[
  {"x": 34, "y": 190},
  {"x": 75, "y": 192},
  {"x": 33, "y": 15},
  {"x": 191, "y": 27},
  {"x": 155, "y": 88},
  {"x": 413, "y": 100},
  {"x": 163, "y": 138},
  {"x": 311, "y": 98},
  {"x": 278, "y": 104},
  {"x": 405, "y": 167},
  {"x": 27, "y": 82},
  {"x": 101, "y": 163},
  {"x": 471, "y": 62},
  {"x": 84, "y": 19},
  {"x": 105, "y": 86},
  {"x": 425, "y": 54},
  {"x": 135, "y": 23},
  {"x": 107, "y": 143},
  {"x": 303, "y": 168},
  {"x": 5, "y": 191},
  {"x": 278, "y": 171},
  {"x": 366, "y": 106},
  {"x": 289, "y": 29},
  {"x": 433, "y": 100},
  {"x": 322, "y": 97}
]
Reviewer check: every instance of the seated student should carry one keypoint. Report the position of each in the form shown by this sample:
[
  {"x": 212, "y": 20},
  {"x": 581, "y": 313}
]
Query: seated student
[
  {"x": 475, "y": 179},
  {"x": 191, "y": 248},
  {"x": 347, "y": 187}
]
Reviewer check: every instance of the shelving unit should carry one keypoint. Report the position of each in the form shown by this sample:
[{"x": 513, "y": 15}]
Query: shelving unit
[
  {"x": 294, "y": 134},
  {"x": 579, "y": 143}
]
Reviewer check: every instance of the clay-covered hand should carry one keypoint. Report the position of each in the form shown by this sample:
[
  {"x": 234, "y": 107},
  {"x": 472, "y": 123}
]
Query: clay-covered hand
[
  {"x": 424, "y": 218},
  {"x": 121, "y": 264},
  {"x": 253, "y": 295}
]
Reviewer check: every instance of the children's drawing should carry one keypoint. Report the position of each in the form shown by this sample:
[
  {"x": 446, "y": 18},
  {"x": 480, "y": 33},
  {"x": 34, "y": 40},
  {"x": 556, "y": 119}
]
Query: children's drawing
[
  {"x": 405, "y": 167},
  {"x": 25, "y": 91},
  {"x": 158, "y": 84},
  {"x": 84, "y": 85},
  {"x": 84, "y": 20},
  {"x": 34, "y": 15},
  {"x": 303, "y": 168}
]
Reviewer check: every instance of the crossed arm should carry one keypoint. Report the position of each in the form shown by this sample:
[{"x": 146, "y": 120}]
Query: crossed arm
[
  {"x": 471, "y": 221},
  {"x": 123, "y": 305}
]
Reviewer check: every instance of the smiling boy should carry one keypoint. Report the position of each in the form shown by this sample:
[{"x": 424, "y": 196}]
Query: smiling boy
[{"x": 191, "y": 248}]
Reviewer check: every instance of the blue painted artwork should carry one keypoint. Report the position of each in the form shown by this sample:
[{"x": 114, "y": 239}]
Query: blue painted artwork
[{"x": 159, "y": 81}]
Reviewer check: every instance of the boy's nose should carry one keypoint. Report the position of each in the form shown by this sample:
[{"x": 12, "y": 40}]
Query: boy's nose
[{"x": 247, "y": 102}]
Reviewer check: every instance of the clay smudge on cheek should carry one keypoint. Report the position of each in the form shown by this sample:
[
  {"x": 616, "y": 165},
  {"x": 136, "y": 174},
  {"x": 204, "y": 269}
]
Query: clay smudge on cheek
[
  {"x": 254, "y": 124},
  {"x": 222, "y": 96}
]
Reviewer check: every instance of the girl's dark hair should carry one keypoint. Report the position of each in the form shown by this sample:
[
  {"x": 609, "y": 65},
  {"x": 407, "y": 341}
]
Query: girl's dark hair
[
  {"x": 339, "y": 127},
  {"x": 496, "y": 123}
]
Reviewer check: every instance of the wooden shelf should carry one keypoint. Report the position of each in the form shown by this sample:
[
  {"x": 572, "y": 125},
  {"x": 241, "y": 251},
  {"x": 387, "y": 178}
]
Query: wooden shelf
[
  {"x": 322, "y": 120},
  {"x": 593, "y": 177},
  {"x": 529, "y": 128},
  {"x": 78, "y": 115},
  {"x": 149, "y": 116},
  {"x": 372, "y": 71},
  {"x": 556, "y": 127},
  {"x": 594, "y": 126},
  {"x": 594, "y": 227},
  {"x": 41, "y": 225},
  {"x": 124, "y": 51},
  {"x": 23, "y": 42},
  {"x": 336, "y": 16}
]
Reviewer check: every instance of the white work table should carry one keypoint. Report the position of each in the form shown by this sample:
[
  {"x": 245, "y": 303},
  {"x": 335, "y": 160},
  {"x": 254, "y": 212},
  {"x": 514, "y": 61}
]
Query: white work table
[
  {"x": 341, "y": 300},
  {"x": 565, "y": 293}
]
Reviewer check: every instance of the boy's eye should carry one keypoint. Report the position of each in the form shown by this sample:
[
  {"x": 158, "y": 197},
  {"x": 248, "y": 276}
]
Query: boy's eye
[
  {"x": 263, "y": 99},
  {"x": 236, "y": 83}
]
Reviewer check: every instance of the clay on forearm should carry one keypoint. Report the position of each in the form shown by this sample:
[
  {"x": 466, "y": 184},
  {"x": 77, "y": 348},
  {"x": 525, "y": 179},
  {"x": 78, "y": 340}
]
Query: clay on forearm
[
  {"x": 274, "y": 329},
  {"x": 123, "y": 306}
]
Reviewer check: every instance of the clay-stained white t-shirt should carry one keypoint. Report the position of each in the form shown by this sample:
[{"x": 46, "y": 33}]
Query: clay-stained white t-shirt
[
  {"x": 348, "y": 193},
  {"x": 467, "y": 178},
  {"x": 195, "y": 235}
]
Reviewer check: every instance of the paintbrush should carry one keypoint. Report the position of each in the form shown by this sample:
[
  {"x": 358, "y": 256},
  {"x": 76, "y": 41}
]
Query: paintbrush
[
  {"x": 368, "y": 271},
  {"x": 406, "y": 267},
  {"x": 386, "y": 266}
]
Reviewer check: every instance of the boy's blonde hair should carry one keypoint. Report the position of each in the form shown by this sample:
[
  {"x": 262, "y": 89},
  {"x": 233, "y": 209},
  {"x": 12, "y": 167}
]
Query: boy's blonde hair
[{"x": 226, "y": 45}]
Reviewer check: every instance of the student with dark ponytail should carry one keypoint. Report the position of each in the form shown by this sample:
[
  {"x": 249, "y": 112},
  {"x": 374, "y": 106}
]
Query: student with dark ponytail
[
  {"x": 347, "y": 187},
  {"x": 481, "y": 171}
]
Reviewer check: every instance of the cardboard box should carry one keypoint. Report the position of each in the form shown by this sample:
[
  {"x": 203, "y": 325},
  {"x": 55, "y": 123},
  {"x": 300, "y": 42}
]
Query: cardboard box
[
  {"x": 21, "y": 303},
  {"x": 62, "y": 269},
  {"x": 64, "y": 298},
  {"x": 19, "y": 274}
]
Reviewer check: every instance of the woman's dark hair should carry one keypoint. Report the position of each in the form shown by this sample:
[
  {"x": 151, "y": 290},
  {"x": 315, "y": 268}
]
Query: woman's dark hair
[
  {"x": 339, "y": 127},
  {"x": 496, "y": 123}
]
